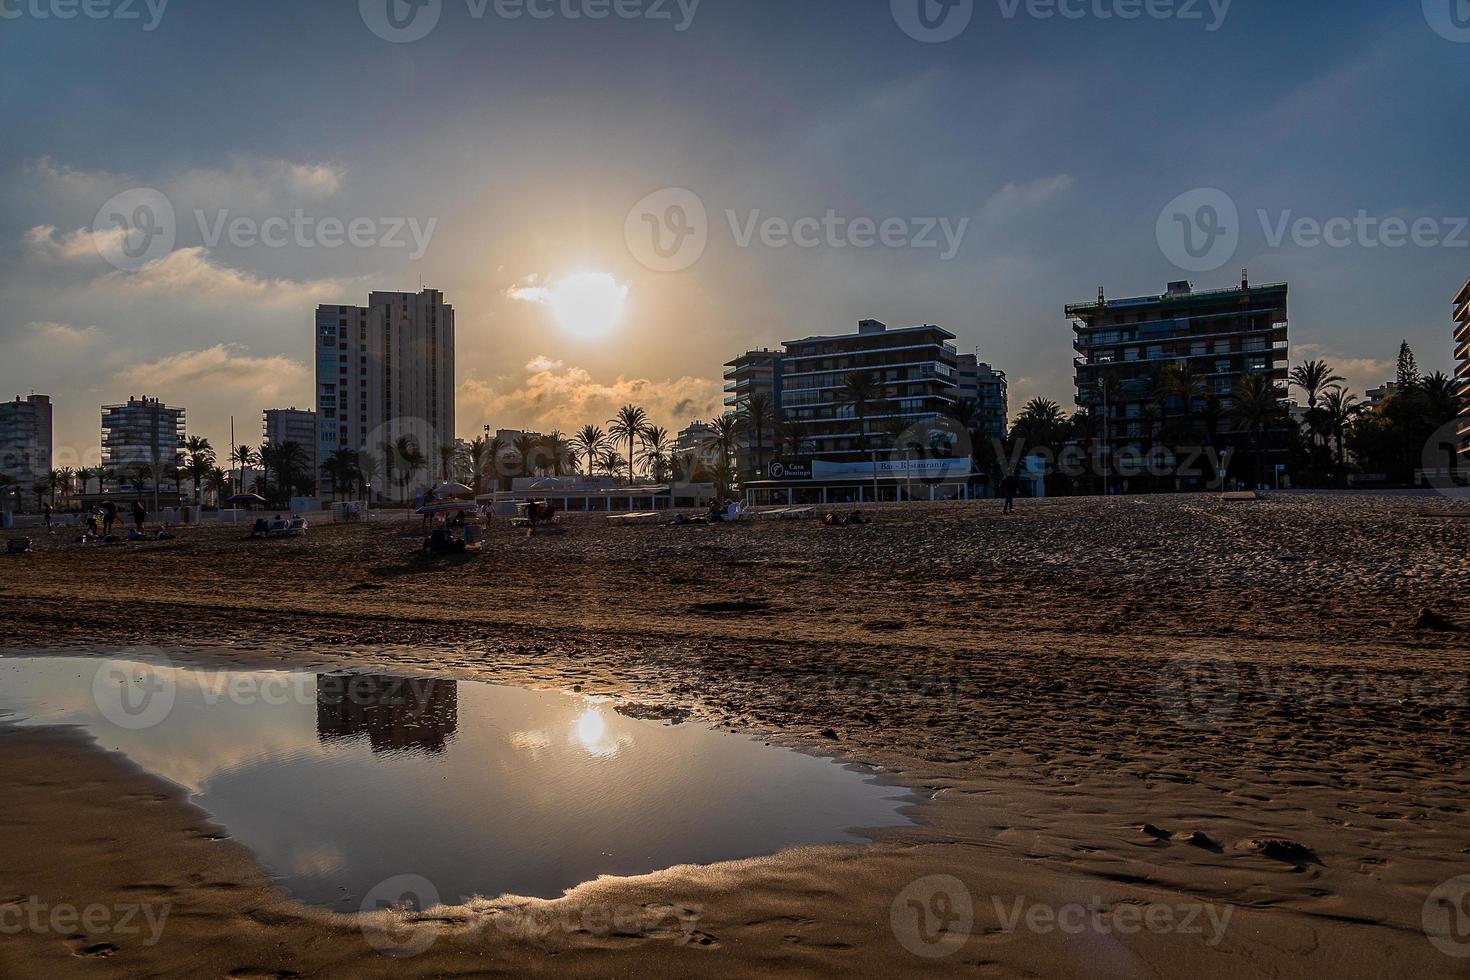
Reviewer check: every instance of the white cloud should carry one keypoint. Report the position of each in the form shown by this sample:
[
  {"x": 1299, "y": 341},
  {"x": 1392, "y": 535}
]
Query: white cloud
[
  {"x": 551, "y": 395},
  {"x": 63, "y": 337},
  {"x": 246, "y": 184},
  {"x": 194, "y": 275},
  {"x": 1014, "y": 199},
  {"x": 222, "y": 368},
  {"x": 43, "y": 242},
  {"x": 1361, "y": 373}
]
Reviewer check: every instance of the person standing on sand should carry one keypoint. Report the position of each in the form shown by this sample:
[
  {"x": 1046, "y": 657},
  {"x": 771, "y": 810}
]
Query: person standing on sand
[
  {"x": 47, "y": 511},
  {"x": 1008, "y": 486},
  {"x": 139, "y": 513}
]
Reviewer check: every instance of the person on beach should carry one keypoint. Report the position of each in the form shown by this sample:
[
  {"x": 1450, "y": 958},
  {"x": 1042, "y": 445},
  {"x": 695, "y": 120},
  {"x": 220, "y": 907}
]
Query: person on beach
[
  {"x": 91, "y": 521},
  {"x": 109, "y": 517},
  {"x": 140, "y": 513},
  {"x": 1009, "y": 486},
  {"x": 48, "y": 512}
]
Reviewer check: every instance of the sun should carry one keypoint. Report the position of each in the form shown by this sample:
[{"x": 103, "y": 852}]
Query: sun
[{"x": 588, "y": 304}]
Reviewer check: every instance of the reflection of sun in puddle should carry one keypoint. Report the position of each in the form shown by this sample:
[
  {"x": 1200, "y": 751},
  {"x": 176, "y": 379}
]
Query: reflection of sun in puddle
[{"x": 590, "y": 729}]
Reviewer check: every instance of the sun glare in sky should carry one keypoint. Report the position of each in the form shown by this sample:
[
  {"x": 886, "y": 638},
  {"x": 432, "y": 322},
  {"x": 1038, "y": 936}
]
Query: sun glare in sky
[{"x": 588, "y": 304}]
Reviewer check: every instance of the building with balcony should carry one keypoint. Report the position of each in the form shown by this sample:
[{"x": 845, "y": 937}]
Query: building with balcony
[
  {"x": 142, "y": 431},
  {"x": 1124, "y": 345},
  {"x": 752, "y": 373},
  {"x": 987, "y": 388},
  {"x": 283, "y": 425},
  {"x": 385, "y": 372},
  {"x": 25, "y": 439},
  {"x": 1462, "y": 364}
]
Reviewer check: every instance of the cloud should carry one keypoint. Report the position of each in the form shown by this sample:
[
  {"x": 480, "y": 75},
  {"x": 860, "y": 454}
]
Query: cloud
[
  {"x": 1015, "y": 199},
  {"x": 49, "y": 335},
  {"x": 245, "y": 184},
  {"x": 1361, "y": 373},
  {"x": 217, "y": 369},
  {"x": 43, "y": 242},
  {"x": 192, "y": 273},
  {"x": 551, "y": 395}
]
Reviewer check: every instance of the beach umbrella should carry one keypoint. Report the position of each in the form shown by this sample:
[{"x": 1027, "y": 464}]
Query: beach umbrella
[{"x": 452, "y": 489}]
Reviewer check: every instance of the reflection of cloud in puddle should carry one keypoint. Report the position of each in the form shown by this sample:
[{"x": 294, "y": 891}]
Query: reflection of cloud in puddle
[
  {"x": 590, "y": 731},
  {"x": 535, "y": 741},
  {"x": 323, "y": 859}
]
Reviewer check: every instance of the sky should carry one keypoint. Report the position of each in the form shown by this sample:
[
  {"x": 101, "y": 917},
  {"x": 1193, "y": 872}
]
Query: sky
[{"x": 618, "y": 204}]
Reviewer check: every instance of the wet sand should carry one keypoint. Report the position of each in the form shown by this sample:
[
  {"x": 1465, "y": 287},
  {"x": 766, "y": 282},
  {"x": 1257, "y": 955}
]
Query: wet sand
[{"x": 1176, "y": 706}]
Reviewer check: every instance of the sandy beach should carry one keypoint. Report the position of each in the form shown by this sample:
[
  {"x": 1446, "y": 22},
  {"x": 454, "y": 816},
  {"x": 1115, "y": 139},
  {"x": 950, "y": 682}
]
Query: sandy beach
[{"x": 1150, "y": 736}]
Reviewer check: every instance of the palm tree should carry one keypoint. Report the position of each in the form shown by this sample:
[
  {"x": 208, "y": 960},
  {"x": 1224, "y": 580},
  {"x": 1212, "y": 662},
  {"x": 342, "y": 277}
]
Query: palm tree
[
  {"x": 859, "y": 390},
  {"x": 1256, "y": 407},
  {"x": 85, "y": 475},
  {"x": 218, "y": 483},
  {"x": 243, "y": 457},
  {"x": 473, "y": 458},
  {"x": 494, "y": 452},
  {"x": 1440, "y": 396},
  {"x": 406, "y": 460},
  {"x": 1312, "y": 377},
  {"x": 198, "y": 460},
  {"x": 627, "y": 426},
  {"x": 446, "y": 453},
  {"x": 555, "y": 447},
  {"x": 589, "y": 441},
  {"x": 654, "y": 454},
  {"x": 790, "y": 436},
  {"x": 726, "y": 432},
  {"x": 1340, "y": 409},
  {"x": 757, "y": 415},
  {"x": 527, "y": 448},
  {"x": 368, "y": 471}
]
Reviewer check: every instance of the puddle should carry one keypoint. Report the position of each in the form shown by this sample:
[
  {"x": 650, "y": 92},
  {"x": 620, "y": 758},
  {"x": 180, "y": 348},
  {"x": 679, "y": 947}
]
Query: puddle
[{"x": 339, "y": 781}]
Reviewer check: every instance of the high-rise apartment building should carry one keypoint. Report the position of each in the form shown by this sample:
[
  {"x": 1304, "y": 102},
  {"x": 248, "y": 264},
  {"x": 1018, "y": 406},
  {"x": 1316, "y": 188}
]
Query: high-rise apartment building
[
  {"x": 913, "y": 373},
  {"x": 385, "y": 372},
  {"x": 25, "y": 438},
  {"x": 1124, "y": 345},
  {"x": 987, "y": 388},
  {"x": 142, "y": 431},
  {"x": 283, "y": 425},
  {"x": 756, "y": 372}
]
